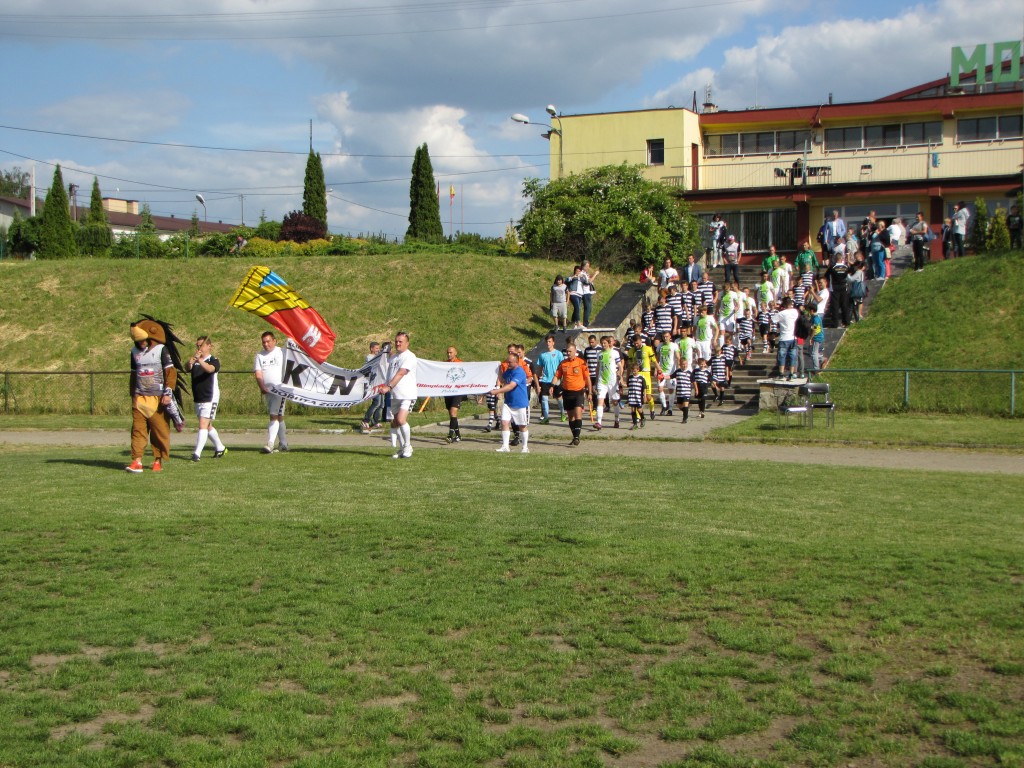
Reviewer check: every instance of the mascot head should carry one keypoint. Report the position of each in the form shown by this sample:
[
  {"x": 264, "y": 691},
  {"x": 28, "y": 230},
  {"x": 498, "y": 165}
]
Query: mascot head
[{"x": 148, "y": 329}]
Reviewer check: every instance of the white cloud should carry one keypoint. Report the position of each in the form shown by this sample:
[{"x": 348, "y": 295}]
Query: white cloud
[{"x": 136, "y": 116}]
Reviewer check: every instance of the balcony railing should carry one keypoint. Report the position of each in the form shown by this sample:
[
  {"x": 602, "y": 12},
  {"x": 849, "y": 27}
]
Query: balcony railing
[{"x": 889, "y": 165}]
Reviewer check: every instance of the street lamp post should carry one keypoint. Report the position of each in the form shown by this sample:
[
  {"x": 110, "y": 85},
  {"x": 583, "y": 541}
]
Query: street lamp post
[
  {"x": 202, "y": 202},
  {"x": 550, "y": 109}
]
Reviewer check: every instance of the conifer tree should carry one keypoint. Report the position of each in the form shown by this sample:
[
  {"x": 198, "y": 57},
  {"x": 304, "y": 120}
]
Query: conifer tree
[
  {"x": 977, "y": 238},
  {"x": 97, "y": 215},
  {"x": 424, "y": 211},
  {"x": 57, "y": 232},
  {"x": 314, "y": 191},
  {"x": 95, "y": 236},
  {"x": 998, "y": 232}
]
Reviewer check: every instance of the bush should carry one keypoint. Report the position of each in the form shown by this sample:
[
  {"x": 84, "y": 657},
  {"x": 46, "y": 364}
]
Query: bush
[
  {"x": 140, "y": 246},
  {"x": 297, "y": 227},
  {"x": 268, "y": 230},
  {"x": 94, "y": 239}
]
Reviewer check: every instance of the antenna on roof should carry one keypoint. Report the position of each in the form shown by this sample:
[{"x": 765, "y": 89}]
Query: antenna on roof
[
  {"x": 310, "y": 134},
  {"x": 709, "y": 105}
]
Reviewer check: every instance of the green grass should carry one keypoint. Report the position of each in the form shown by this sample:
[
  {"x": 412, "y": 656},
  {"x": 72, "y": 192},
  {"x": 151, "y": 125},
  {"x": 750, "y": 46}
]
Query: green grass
[
  {"x": 74, "y": 316},
  {"x": 333, "y": 607},
  {"x": 882, "y": 429},
  {"x": 965, "y": 314}
]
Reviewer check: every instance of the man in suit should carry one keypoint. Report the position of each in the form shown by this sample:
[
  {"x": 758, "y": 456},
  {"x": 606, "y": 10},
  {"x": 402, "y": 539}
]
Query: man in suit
[{"x": 692, "y": 271}]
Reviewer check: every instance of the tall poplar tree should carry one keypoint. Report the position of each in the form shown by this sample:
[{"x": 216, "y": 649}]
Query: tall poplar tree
[
  {"x": 57, "y": 233},
  {"x": 95, "y": 236},
  {"x": 314, "y": 191},
  {"x": 424, "y": 211}
]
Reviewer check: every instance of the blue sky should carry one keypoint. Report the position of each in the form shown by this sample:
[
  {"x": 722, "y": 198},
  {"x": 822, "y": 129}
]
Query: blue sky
[{"x": 101, "y": 87}]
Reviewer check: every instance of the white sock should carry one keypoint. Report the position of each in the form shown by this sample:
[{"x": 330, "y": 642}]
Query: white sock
[
  {"x": 405, "y": 436},
  {"x": 394, "y": 437},
  {"x": 600, "y": 412},
  {"x": 524, "y": 438},
  {"x": 661, "y": 394},
  {"x": 272, "y": 431},
  {"x": 506, "y": 435},
  {"x": 200, "y": 441},
  {"x": 217, "y": 444},
  {"x": 281, "y": 436},
  {"x": 615, "y": 406}
]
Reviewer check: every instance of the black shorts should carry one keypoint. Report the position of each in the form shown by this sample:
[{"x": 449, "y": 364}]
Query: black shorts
[
  {"x": 550, "y": 389},
  {"x": 454, "y": 401},
  {"x": 572, "y": 399},
  {"x": 763, "y": 328}
]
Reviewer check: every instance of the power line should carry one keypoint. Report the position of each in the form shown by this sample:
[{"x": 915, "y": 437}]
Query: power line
[
  {"x": 173, "y": 145},
  {"x": 278, "y": 35}
]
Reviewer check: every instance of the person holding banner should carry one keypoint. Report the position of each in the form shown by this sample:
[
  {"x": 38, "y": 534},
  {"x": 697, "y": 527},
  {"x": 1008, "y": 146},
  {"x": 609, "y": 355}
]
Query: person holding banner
[
  {"x": 401, "y": 384},
  {"x": 268, "y": 368},
  {"x": 516, "y": 409},
  {"x": 453, "y": 403}
]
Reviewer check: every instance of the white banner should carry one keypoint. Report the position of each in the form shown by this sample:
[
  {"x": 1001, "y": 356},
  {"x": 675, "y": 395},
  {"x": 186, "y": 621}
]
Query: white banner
[{"x": 322, "y": 385}]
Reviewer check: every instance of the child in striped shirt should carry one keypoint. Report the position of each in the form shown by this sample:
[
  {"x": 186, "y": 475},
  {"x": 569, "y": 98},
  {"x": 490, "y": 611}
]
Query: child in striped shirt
[
  {"x": 718, "y": 374},
  {"x": 636, "y": 395},
  {"x": 701, "y": 378},
  {"x": 684, "y": 388}
]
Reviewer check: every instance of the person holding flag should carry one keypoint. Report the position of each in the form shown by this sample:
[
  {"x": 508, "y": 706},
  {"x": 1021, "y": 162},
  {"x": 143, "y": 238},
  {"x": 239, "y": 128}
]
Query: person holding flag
[{"x": 268, "y": 368}]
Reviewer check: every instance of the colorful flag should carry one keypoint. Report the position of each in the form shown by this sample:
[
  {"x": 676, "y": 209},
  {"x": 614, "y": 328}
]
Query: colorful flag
[
  {"x": 451, "y": 194},
  {"x": 266, "y": 294}
]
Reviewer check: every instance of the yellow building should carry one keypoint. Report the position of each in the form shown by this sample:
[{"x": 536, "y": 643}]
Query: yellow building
[{"x": 775, "y": 174}]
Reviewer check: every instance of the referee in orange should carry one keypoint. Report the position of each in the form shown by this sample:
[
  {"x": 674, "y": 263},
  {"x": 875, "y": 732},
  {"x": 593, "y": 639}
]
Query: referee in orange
[{"x": 574, "y": 378}]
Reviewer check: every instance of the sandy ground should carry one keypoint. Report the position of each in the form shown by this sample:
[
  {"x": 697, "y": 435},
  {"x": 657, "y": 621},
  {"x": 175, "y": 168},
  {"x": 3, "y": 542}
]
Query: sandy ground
[{"x": 661, "y": 438}]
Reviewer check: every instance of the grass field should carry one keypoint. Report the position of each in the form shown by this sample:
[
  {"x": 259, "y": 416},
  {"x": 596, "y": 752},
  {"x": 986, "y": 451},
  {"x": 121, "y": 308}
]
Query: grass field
[
  {"x": 68, "y": 316},
  {"x": 336, "y": 608},
  {"x": 964, "y": 314}
]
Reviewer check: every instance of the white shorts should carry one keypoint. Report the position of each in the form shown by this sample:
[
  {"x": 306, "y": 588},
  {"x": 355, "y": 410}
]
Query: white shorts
[
  {"x": 402, "y": 405},
  {"x": 206, "y": 411},
  {"x": 727, "y": 324},
  {"x": 704, "y": 349},
  {"x": 275, "y": 404},
  {"x": 608, "y": 390},
  {"x": 518, "y": 416}
]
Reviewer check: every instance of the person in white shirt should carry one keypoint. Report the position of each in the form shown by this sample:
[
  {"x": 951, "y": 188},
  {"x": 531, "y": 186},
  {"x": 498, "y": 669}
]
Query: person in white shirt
[
  {"x": 787, "y": 339},
  {"x": 401, "y": 383},
  {"x": 268, "y": 368},
  {"x": 960, "y": 217},
  {"x": 668, "y": 275}
]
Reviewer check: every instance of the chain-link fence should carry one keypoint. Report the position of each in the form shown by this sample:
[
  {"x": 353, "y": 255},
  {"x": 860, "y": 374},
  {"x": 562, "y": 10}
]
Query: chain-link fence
[
  {"x": 862, "y": 389},
  {"x": 988, "y": 392}
]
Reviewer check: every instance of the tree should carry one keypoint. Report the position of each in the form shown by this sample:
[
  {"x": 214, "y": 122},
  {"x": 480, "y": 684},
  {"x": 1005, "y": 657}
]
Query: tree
[
  {"x": 95, "y": 237},
  {"x": 978, "y": 236},
  {"x": 424, "y": 211},
  {"x": 23, "y": 234},
  {"x": 15, "y": 183},
  {"x": 57, "y": 233},
  {"x": 314, "y": 191},
  {"x": 300, "y": 228},
  {"x": 611, "y": 215},
  {"x": 998, "y": 233},
  {"x": 97, "y": 214}
]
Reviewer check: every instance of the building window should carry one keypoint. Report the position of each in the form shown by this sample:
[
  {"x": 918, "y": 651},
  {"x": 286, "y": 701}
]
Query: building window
[
  {"x": 722, "y": 144},
  {"x": 792, "y": 141},
  {"x": 761, "y": 143},
  {"x": 842, "y": 138},
  {"x": 1010, "y": 127},
  {"x": 922, "y": 133},
  {"x": 988, "y": 128},
  {"x": 655, "y": 151},
  {"x": 882, "y": 136},
  {"x": 758, "y": 229}
]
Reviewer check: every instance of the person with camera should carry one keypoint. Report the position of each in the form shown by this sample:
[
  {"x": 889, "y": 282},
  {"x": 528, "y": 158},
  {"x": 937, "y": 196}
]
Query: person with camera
[{"x": 206, "y": 394}]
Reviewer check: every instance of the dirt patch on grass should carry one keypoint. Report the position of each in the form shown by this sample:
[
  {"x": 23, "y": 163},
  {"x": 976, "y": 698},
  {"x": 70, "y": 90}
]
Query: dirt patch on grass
[
  {"x": 93, "y": 728},
  {"x": 401, "y": 700}
]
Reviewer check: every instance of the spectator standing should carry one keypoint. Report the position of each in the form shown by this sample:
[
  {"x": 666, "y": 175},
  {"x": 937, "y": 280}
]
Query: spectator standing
[
  {"x": 787, "y": 339},
  {"x": 858, "y": 288},
  {"x": 559, "y": 297},
  {"x": 1015, "y": 224},
  {"x": 716, "y": 229},
  {"x": 732, "y": 257},
  {"x": 961, "y": 217},
  {"x": 835, "y": 230},
  {"x": 588, "y": 291},
  {"x": 918, "y": 240},
  {"x": 375, "y": 412},
  {"x": 692, "y": 272},
  {"x": 668, "y": 275},
  {"x": 878, "y": 250},
  {"x": 839, "y": 301}
]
